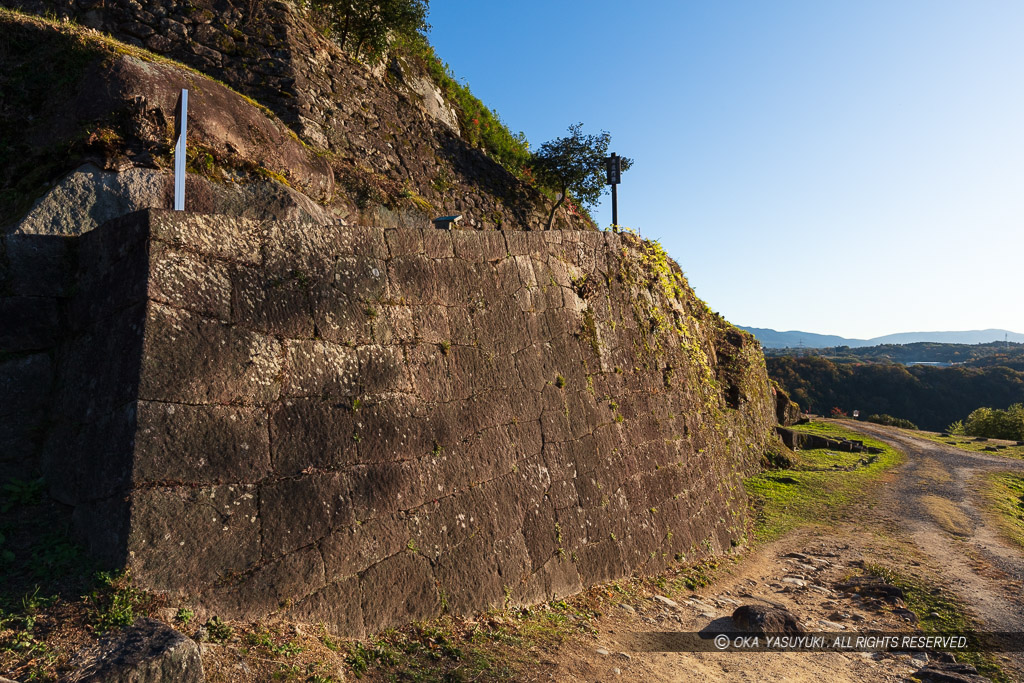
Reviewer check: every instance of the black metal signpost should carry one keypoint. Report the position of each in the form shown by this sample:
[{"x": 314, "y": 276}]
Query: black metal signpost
[{"x": 614, "y": 167}]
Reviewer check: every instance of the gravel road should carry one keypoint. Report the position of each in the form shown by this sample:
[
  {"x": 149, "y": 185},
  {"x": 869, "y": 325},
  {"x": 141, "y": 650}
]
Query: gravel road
[{"x": 935, "y": 499}]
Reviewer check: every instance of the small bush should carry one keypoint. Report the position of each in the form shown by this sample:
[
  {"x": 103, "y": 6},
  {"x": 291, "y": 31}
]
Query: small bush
[
  {"x": 366, "y": 28},
  {"x": 19, "y": 493},
  {"x": 993, "y": 423},
  {"x": 890, "y": 421}
]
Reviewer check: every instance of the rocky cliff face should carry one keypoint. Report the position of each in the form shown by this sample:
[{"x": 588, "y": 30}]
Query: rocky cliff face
[{"x": 383, "y": 144}]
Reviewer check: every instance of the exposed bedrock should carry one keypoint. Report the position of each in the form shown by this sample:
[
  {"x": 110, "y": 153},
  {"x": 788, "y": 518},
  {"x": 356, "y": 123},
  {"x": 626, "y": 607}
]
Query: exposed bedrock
[
  {"x": 293, "y": 127},
  {"x": 364, "y": 426}
]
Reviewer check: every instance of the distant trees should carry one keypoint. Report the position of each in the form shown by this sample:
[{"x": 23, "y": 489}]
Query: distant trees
[
  {"x": 1009, "y": 355},
  {"x": 366, "y": 27},
  {"x": 930, "y": 397},
  {"x": 574, "y": 163},
  {"x": 890, "y": 421},
  {"x": 993, "y": 423}
]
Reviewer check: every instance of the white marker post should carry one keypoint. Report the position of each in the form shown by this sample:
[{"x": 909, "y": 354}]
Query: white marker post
[{"x": 179, "y": 154}]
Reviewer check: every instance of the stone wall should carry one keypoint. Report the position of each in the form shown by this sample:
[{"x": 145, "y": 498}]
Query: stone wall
[
  {"x": 364, "y": 426},
  {"x": 35, "y": 274}
]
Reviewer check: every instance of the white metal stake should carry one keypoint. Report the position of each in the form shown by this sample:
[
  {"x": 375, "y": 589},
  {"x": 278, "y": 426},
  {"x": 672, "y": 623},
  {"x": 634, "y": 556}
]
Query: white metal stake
[{"x": 179, "y": 155}]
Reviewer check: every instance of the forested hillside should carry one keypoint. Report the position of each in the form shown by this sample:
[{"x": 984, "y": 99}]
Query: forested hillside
[
  {"x": 979, "y": 355},
  {"x": 931, "y": 397}
]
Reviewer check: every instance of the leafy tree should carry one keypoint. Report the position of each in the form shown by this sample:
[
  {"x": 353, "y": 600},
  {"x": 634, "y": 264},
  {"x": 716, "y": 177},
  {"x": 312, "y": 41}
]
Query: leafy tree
[
  {"x": 993, "y": 423},
  {"x": 574, "y": 163},
  {"x": 367, "y": 26}
]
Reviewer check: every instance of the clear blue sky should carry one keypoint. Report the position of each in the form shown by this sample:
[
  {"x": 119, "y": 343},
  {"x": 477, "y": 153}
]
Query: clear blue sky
[{"x": 841, "y": 167}]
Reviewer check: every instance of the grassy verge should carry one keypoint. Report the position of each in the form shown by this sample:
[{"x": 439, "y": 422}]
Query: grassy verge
[
  {"x": 1008, "y": 449},
  {"x": 939, "y": 611},
  {"x": 820, "y": 485},
  {"x": 1005, "y": 495}
]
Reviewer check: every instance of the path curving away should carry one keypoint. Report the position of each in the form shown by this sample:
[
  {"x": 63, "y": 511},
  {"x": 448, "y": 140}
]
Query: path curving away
[{"x": 935, "y": 497}]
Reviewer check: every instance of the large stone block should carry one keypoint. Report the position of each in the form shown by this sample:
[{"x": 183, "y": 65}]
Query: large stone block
[
  {"x": 361, "y": 278},
  {"x": 26, "y": 383},
  {"x": 362, "y": 241},
  {"x": 313, "y": 433},
  {"x": 181, "y": 538},
  {"x": 36, "y": 265},
  {"x": 384, "y": 606},
  {"x": 351, "y": 550},
  {"x": 468, "y": 577},
  {"x": 300, "y": 250},
  {"x": 269, "y": 588},
  {"x": 341, "y": 320},
  {"x": 386, "y": 487},
  {"x": 88, "y": 461},
  {"x": 383, "y": 370},
  {"x": 188, "y": 444},
  {"x": 225, "y": 237},
  {"x": 183, "y": 280},
  {"x": 188, "y": 358},
  {"x": 320, "y": 369},
  {"x": 276, "y": 305},
  {"x": 338, "y": 605},
  {"x": 300, "y": 511}
]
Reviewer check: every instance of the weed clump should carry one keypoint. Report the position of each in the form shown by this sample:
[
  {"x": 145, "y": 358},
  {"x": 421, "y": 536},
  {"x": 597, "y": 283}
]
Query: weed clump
[{"x": 116, "y": 603}]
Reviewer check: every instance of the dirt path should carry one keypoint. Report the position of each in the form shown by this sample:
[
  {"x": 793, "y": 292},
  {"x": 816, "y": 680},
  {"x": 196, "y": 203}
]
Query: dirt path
[
  {"x": 925, "y": 521},
  {"x": 936, "y": 499}
]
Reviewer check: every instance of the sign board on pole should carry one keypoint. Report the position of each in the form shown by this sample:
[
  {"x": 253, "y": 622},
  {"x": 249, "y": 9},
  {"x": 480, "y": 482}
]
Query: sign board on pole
[{"x": 614, "y": 169}]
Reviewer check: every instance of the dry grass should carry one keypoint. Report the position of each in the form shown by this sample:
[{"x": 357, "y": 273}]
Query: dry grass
[{"x": 947, "y": 515}]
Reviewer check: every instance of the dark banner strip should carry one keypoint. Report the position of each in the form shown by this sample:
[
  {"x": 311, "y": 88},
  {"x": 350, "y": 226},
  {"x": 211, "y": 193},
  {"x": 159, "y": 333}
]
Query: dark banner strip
[{"x": 674, "y": 641}]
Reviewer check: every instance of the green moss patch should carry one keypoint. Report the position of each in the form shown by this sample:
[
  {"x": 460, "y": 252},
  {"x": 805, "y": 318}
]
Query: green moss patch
[
  {"x": 818, "y": 487},
  {"x": 1005, "y": 495}
]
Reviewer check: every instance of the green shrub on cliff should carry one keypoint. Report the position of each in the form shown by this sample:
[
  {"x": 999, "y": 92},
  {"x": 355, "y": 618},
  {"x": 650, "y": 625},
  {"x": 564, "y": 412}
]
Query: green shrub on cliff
[
  {"x": 480, "y": 126},
  {"x": 574, "y": 163},
  {"x": 366, "y": 28}
]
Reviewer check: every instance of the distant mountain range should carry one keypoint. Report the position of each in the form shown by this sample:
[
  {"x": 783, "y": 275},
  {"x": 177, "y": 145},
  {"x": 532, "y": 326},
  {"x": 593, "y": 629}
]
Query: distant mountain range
[{"x": 773, "y": 339}]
